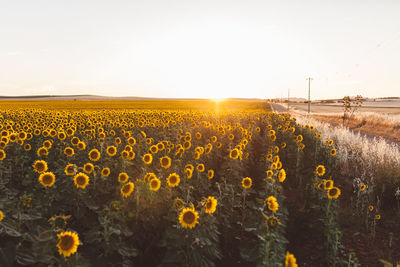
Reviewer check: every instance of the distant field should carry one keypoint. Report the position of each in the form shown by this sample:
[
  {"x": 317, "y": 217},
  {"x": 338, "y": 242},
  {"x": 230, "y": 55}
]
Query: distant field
[
  {"x": 205, "y": 105},
  {"x": 388, "y": 107}
]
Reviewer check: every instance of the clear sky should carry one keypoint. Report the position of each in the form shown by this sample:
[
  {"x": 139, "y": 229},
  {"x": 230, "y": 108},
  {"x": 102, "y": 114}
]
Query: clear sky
[{"x": 202, "y": 48}]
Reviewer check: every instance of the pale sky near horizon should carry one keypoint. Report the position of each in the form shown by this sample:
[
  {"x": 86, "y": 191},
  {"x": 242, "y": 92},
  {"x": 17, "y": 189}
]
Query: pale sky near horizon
[{"x": 206, "y": 49}]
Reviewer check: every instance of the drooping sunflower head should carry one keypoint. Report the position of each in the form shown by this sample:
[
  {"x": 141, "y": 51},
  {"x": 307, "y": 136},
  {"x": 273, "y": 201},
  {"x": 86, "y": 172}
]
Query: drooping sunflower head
[
  {"x": 94, "y": 155},
  {"x": 47, "y": 179},
  {"x": 88, "y": 167},
  {"x": 188, "y": 218},
  {"x": 155, "y": 184},
  {"x": 371, "y": 208},
  {"x": 1, "y": 215},
  {"x": 189, "y": 173},
  {"x": 333, "y": 152},
  {"x": 81, "y": 180},
  {"x": 210, "y": 205},
  {"x": 123, "y": 177},
  {"x": 247, "y": 182},
  {"x": 40, "y": 166},
  {"x": 165, "y": 162},
  {"x": 333, "y": 192},
  {"x": 173, "y": 180},
  {"x": 68, "y": 243},
  {"x": 320, "y": 170},
  {"x": 127, "y": 189},
  {"x": 363, "y": 187},
  {"x": 147, "y": 158}
]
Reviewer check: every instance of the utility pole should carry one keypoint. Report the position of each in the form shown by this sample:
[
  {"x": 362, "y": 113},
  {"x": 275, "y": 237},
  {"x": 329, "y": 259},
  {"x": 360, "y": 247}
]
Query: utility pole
[
  {"x": 288, "y": 90},
  {"x": 309, "y": 85}
]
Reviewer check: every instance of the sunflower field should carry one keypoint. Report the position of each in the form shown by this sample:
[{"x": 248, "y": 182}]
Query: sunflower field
[{"x": 163, "y": 184}]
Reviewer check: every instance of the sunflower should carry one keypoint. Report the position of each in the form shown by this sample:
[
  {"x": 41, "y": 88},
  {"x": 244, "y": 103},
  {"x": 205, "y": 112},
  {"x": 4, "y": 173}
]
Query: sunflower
[
  {"x": 272, "y": 203},
  {"x": 211, "y": 205},
  {"x": 68, "y": 243},
  {"x": 111, "y": 151},
  {"x": 81, "y": 180},
  {"x": 363, "y": 187},
  {"x": 165, "y": 162},
  {"x": 88, "y": 168},
  {"x": 247, "y": 182},
  {"x": 81, "y": 145},
  {"x": 42, "y": 151},
  {"x": 189, "y": 173},
  {"x": 70, "y": 169},
  {"x": 299, "y": 138},
  {"x": 328, "y": 184},
  {"x": 333, "y": 192},
  {"x": 234, "y": 153},
  {"x": 147, "y": 158},
  {"x": 47, "y": 179},
  {"x": 105, "y": 172},
  {"x": 210, "y": 174},
  {"x": 188, "y": 217},
  {"x": 1, "y": 215},
  {"x": 200, "y": 167},
  {"x": 290, "y": 260},
  {"x": 377, "y": 217},
  {"x": 269, "y": 173},
  {"x": 371, "y": 208},
  {"x": 155, "y": 184},
  {"x": 330, "y": 142},
  {"x": 153, "y": 149},
  {"x": 320, "y": 170},
  {"x": 94, "y": 155},
  {"x": 123, "y": 177},
  {"x": 27, "y": 147},
  {"x": 333, "y": 152},
  {"x": 173, "y": 180},
  {"x": 69, "y": 151},
  {"x": 127, "y": 189},
  {"x": 40, "y": 166},
  {"x": 149, "y": 176},
  {"x": 282, "y": 175}
]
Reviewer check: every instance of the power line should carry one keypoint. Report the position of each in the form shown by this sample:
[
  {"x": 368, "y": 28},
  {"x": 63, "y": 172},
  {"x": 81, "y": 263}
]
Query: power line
[{"x": 309, "y": 85}]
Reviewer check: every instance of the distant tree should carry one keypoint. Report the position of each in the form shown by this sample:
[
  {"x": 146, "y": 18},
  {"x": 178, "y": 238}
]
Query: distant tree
[{"x": 350, "y": 106}]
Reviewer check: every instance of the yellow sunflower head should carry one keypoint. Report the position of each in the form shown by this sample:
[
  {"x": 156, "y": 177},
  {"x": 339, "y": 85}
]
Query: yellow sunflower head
[
  {"x": 173, "y": 180},
  {"x": 320, "y": 170},
  {"x": 88, "y": 168},
  {"x": 105, "y": 172},
  {"x": 188, "y": 218},
  {"x": 69, "y": 151},
  {"x": 81, "y": 180},
  {"x": 210, "y": 205},
  {"x": 40, "y": 166},
  {"x": 210, "y": 174},
  {"x": 127, "y": 189},
  {"x": 111, "y": 151},
  {"x": 333, "y": 152},
  {"x": 70, "y": 169},
  {"x": 94, "y": 154},
  {"x": 123, "y": 177},
  {"x": 290, "y": 260},
  {"x": 68, "y": 243},
  {"x": 47, "y": 179},
  {"x": 200, "y": 167},
  {"x": 154, "y": 184},
  {"x": 42, "y": 151},
  {"x": 282, "y": 175},
  {"x": 333, "y": 192},
  {"x": 247, "y": 182},
  {"x": 165, "y": 162},
  {"x": 147, "y": 158},
  {"x": 234, "y": 153}
]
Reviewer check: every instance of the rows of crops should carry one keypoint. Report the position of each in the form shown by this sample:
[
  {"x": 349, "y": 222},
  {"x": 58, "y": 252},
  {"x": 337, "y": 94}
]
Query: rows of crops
[{"x": 147, "y": 187}]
